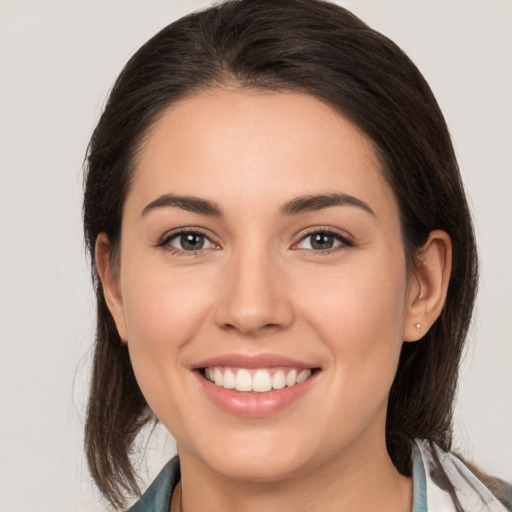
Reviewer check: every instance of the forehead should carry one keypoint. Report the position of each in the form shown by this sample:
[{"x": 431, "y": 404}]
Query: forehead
[{"x": 248, "y": 146}]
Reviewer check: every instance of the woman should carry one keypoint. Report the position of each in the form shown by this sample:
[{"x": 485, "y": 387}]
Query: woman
[{"x": 285, "y": 269}]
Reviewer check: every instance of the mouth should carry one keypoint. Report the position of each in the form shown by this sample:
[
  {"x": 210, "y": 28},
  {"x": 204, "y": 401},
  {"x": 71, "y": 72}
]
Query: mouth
[
  {"x": 257, "y": 380},
  {"x": 255, "y": 386}
]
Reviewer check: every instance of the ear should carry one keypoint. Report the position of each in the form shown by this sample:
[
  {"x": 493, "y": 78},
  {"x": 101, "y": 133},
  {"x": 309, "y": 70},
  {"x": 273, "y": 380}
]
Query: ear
[
  {"x": 428, "y": 285},
  {"x": 108, "y": 272}
]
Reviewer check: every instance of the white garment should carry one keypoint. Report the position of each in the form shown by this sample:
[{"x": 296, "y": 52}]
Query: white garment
[{"x": 472, "y": 494}]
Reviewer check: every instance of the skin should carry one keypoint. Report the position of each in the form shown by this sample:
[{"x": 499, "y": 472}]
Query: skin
[{"x": 258, "y": 286}]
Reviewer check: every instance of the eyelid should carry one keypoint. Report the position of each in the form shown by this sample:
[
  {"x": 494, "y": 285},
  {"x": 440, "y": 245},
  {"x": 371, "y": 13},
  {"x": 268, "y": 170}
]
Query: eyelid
[
  {"x": 346, "y": 239},
  {"x": 169, "y": 235}
]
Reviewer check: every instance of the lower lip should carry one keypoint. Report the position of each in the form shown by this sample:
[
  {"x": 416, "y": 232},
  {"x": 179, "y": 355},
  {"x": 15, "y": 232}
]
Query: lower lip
[{"x": 254, "y": 404}]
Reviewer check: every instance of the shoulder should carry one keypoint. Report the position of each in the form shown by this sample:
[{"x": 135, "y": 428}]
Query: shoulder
[
  {"x": 451, "y": 483},
  {"x": 157, "y": 497}
]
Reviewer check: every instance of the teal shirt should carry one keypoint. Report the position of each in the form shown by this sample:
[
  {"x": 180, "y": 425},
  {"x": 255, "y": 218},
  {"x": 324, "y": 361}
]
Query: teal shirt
[{"x": 158, "y": 496}]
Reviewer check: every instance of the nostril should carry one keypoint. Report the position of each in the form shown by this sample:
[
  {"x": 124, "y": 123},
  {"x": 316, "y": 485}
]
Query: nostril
[{"x": 251, "y": 329}]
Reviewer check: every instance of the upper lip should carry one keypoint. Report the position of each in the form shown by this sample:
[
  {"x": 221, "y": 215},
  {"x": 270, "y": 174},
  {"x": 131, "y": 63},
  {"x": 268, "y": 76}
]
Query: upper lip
[{"x": 266, "y": 360}]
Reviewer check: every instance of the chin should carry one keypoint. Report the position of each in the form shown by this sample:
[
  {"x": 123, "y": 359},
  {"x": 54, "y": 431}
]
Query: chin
[
  {"x": 269, "y": 469},
  {"x": 255, "y": 461}
]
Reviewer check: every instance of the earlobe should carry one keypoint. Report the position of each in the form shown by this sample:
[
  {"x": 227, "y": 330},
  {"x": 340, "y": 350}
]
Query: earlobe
[
  {"x": 109, "y": 277},
  {"x": 427, "y": 292}
]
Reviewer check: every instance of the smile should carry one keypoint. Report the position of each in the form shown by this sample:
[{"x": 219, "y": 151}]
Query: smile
[
  {"x": 255, "y": 386},
  {"x": 259, "y": 380}
]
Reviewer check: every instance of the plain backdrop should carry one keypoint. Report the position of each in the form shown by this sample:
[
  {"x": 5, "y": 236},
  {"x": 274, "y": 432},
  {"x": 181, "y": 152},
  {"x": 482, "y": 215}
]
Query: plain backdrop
[{"x": 57, "y": 62}]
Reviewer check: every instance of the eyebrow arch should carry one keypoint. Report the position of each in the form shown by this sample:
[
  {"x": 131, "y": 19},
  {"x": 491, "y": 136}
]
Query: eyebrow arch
[
  {"x": 191, "y": 204},
  {"x": 319, "y": 202}
]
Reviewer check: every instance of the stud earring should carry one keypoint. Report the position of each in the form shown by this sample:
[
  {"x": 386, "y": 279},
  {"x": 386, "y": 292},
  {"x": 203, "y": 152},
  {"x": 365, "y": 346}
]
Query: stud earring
[{"x": 418, "y": 327}]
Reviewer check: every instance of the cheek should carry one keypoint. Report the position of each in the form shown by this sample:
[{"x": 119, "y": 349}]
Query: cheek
[
  {"x": 163, "y": 311},
  {"x": 162, "y": 306},
  {"x": 359, "y": 318},
  {"x": 359, "y": 314},
  {"x": 359, "y": 296}
]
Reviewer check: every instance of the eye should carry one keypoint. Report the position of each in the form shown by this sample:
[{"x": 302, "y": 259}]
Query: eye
[
  {"x": 188, "y": 241},
  {"x": 323, "y": 241}
]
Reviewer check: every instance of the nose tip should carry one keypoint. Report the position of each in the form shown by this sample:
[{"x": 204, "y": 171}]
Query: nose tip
[
  {"x": 254, "y": 302},
  {"x": 251, "y": 321}
]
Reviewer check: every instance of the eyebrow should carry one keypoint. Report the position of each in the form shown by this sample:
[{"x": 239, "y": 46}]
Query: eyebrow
[
  {"x": 191, "y": 204},
  {"x": 297, "y": 205},
  {"x": 311, "y": 203}
]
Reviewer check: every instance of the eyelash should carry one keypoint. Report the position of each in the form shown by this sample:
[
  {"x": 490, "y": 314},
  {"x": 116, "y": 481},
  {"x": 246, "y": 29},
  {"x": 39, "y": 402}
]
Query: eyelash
[
  {"x": 165, "y": 241},
  {"x": 345, "y": 241}
]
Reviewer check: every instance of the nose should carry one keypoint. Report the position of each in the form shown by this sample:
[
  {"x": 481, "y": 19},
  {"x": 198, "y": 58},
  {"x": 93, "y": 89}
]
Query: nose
[{"x": 254, "y": 300}]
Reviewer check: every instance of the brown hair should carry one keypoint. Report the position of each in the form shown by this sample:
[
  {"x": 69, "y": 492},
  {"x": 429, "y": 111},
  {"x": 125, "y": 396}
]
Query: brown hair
[{"x": 323, "y": 50}]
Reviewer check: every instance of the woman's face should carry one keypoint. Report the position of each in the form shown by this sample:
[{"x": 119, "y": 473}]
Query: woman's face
[{"x": 261, "y": 243}]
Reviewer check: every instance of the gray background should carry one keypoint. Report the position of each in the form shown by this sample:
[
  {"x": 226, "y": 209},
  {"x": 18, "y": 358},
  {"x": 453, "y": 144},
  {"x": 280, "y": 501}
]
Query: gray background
[{"x": 57, "y": 62}]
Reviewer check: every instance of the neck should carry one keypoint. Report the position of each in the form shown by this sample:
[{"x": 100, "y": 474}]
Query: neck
[{"x": 359, "y": 479}]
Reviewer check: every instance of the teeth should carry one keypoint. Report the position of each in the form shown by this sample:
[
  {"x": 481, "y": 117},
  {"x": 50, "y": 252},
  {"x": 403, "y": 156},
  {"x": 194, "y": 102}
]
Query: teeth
[
  {"x": 217, "y": 376},
  {"x": 260, "y": 381},
  {"x": 303, "y": 375},
  {"x": 243, "y": 381},
  {"x": 291, "y": 378},
  {"x": 228, "y": 380},
  {"x": 279, "y": 380}
]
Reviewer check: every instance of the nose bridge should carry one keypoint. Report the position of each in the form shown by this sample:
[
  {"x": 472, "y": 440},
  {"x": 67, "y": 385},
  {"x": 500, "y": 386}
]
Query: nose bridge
[{"x": 254, "y": 295}]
